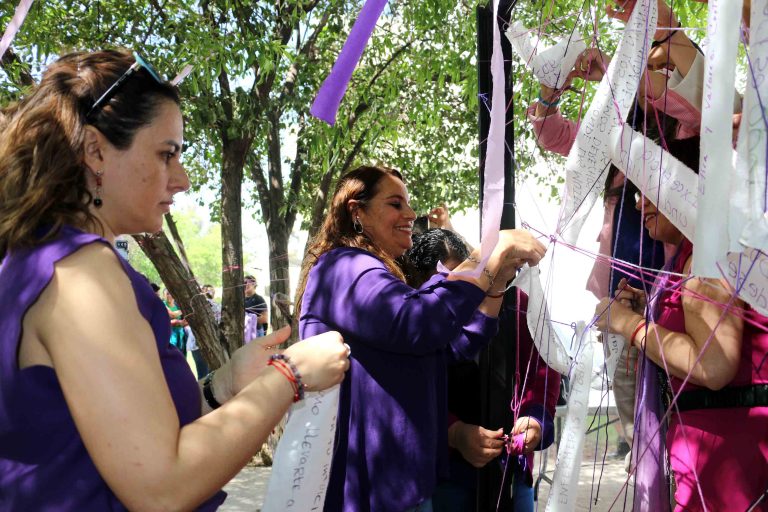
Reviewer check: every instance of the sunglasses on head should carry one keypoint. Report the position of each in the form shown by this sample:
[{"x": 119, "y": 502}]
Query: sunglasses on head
[{"x": 114, "y": 88}]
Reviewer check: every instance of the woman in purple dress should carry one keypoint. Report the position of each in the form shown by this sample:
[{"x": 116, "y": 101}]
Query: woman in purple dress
[
  {"x": 391, "y": 443},
  {"x": 95, "y": 422}
]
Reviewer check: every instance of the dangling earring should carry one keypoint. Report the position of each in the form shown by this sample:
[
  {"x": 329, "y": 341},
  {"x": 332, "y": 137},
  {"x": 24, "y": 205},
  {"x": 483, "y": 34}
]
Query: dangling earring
[
  {"x": 357, "y": 226},
  {"x": 97, "y": 202}
]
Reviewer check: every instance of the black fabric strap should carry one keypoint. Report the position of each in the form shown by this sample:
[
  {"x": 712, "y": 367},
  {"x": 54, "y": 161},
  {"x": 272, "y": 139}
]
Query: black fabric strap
[{"x": 746, "y": 396}]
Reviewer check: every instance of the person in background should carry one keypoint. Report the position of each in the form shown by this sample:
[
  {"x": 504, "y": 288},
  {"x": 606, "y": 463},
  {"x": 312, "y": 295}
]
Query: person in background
[
  {"x": 474, "y": 446},
  {"x": 255, "y": 305},
  {"x": 97, "y": 410},
  {"x": 178, "y": 324},
  {"x": 210, "y": 295},
  {"x": 391, "y": 436}
]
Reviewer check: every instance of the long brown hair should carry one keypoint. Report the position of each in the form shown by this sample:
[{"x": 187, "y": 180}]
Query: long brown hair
[
  {"x": 42, "y": 169},
  {"x": 337, "y": 230}
]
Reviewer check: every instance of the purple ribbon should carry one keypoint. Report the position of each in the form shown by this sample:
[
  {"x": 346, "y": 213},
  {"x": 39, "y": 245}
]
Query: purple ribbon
[
  {"x": 14, "y": 25},
  {"x": 651, "y": 490},
  {"x": 329, "y": 97},
  {"x": 649, "y": 446}
]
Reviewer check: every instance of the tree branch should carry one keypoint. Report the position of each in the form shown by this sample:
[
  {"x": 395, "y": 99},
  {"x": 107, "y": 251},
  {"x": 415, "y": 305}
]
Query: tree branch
[
  {"x": 286, "y": 23},
  {"x": 179, "y": 242},
  {"x": 293, "y": 72},
  {"x": 11, "y": 59},
  {"x": 297, "y": 171}
]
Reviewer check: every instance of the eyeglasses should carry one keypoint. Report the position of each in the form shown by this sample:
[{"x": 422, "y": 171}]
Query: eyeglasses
[{"x": 110, "y": 93}]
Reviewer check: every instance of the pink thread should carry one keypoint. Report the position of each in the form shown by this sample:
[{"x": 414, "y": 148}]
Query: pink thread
[{"x": 516, "y": 444}]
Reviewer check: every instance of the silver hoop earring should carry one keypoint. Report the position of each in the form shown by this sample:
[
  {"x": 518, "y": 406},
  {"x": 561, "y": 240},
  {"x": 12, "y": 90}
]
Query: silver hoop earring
[{"x": 357, "y": 226}]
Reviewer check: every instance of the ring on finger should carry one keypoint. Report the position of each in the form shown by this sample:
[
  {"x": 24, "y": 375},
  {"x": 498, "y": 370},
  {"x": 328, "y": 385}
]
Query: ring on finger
[{"x": 349, "y": 350}]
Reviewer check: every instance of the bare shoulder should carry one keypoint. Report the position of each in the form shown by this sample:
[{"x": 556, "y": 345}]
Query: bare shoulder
[
  {"x": 704, "y": 292},
  {"x": 89, "y": 291}
]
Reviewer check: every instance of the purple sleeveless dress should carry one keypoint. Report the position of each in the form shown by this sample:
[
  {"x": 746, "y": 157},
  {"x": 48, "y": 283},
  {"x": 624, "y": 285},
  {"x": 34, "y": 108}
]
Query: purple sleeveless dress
[{"x": 43, "y": 462}]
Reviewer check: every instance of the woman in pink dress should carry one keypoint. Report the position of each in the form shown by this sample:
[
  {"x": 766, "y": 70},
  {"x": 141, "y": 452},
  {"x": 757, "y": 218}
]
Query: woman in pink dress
[{"x": 714, "y": 348}]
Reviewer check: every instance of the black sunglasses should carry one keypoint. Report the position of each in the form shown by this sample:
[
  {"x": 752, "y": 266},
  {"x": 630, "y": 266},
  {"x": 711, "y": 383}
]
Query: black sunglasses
[{"x": 110, "y": 93}]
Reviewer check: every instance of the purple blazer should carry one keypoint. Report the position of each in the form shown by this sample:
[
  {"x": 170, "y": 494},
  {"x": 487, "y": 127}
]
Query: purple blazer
[{"x": 391, "y": 442}]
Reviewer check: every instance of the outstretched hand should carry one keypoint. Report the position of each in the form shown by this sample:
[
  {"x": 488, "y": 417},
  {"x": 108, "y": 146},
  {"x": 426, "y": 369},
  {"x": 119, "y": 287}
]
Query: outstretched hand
[
  {"x": 439, "y": 217},
  {"x": 622, "y": 10},
  {"x": 590, "y": 65},
  {"x": 251, "y": 359}
]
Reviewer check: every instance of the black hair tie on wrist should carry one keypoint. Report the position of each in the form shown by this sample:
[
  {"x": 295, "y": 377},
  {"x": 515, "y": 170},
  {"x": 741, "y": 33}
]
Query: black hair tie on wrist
[{"x": 208, "y": 391}]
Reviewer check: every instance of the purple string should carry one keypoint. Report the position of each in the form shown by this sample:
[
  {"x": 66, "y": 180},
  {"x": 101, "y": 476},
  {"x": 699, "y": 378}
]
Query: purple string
[{"x": 334, "y": 87}]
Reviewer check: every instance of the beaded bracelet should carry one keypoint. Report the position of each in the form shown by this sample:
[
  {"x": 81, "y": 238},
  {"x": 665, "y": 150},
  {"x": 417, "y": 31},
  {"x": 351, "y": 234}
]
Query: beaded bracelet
[
  {"x": 283, "y": 364},
  {"x": 549, "y": 104},
  {"x": 208, "y": 391},
  {"x": 487, "y": 272}
]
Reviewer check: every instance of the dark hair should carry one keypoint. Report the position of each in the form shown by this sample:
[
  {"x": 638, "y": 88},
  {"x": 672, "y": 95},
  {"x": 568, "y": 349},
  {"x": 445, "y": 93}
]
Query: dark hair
[
  {"x": 42, "y": 169},
  {"x": 430, "y": 247},
  {"x": 360, "y": 184},
  {"x": 155, "y": 287},
  {"x": 687, "y": 151},
  {"x": 420, "y": 224}
]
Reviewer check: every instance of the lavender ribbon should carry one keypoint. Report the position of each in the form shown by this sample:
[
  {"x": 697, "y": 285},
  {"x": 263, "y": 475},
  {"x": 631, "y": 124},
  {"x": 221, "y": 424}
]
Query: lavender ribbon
[
  {"x": 649, "y": 444},
  {"x": 651, "y": 491},
  {"x": 328, "y": 99},
  {"x": 14, "y": 25}
]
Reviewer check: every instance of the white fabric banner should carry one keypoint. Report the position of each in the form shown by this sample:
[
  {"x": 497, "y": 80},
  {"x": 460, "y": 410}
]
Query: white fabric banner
[
  {"x": 588, "y": 159},
  {"x": 716, "y": 163},
  {"x": 551, "y": 347},
  {"x": 550, "y": 65},
  {"x": 669, "y": 184},
  {"x": 663, "y": 179},
  {"x": 545, "y": 338},
  {"x": 613, "y": 344},
  {"x": 748, "y": 224},
  {"x": 302, "y": 463},
  {"x": 747, "y": 271},
  {"x": 566, "y": 478}
]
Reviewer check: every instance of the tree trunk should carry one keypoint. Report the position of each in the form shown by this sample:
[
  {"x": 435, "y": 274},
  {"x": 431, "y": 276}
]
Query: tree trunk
[
  {"x": 279, "y": 282},
  {"x": 233, "y": 306},
  {"x": 185, "y": 290}
]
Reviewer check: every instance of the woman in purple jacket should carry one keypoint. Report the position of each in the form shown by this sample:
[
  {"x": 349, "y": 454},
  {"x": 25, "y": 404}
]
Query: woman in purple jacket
[{"x": 391, "y": 438}]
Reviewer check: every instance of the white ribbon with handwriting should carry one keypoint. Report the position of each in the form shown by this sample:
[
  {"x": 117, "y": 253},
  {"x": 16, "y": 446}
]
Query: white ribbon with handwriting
[
  {"x": 550, "y": 65},
  {"x": 565, "y": 481},
  {"x": 711, "y": 242},
  {"x": 545, "y": 338},
  {"x": 663, "y": 179},
  {"x": 748, "y": 223},
  {"x": 588, "y": 159},
  {"x": 302, "y": 463}
]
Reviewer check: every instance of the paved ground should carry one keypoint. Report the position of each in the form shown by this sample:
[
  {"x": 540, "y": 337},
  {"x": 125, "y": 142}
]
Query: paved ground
[{"x": 246, "y": 490}]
